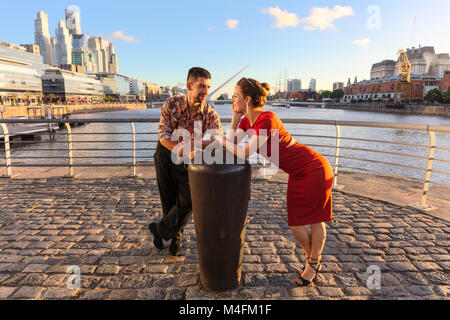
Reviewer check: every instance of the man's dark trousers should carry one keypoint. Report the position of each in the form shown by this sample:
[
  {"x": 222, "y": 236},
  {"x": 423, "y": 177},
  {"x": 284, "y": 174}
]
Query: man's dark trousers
[{"x": 173, "y": 185}]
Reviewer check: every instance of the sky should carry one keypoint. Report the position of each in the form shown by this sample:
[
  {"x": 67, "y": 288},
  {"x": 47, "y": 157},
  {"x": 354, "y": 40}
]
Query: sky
[{"x": 330, "y": 41}]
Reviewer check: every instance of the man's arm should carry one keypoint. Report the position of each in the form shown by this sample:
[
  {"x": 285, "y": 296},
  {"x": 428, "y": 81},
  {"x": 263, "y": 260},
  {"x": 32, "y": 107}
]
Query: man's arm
[{"x": 165, "y": 129}]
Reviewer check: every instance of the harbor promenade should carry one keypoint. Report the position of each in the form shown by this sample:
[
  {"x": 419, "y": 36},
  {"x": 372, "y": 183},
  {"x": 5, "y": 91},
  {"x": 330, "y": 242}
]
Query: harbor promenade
[{"x": 50, "y": 227}]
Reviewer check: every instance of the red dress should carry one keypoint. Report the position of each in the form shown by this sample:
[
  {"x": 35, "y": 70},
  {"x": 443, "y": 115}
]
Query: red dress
[{"x": 310, "y": 174}]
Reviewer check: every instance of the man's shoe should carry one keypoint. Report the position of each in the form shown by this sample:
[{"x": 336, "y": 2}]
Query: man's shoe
[
  {"x": 175, "y": 247},
  {"x": 157, "y": 239}
]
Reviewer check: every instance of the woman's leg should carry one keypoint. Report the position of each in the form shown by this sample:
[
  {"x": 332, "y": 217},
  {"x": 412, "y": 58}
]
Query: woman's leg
[
  {"x": 318, "y": 237},
  {"x": 303, "y": 237}
]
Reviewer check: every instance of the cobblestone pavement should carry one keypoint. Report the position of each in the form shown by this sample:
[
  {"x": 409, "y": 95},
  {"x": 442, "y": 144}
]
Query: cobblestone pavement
[{"x": 101, "y": 226}]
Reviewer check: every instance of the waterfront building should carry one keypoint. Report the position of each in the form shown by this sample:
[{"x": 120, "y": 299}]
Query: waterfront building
[
  {"x": 387, "y": 89},
  {"x": 20, "y": 75},
  {"x": 69, "y": 86},
  {"x": 115, "y": 85},
  {"x": 137, "y": 88},
  {"x": 73, "y": 21},
  {"x": 338, "y": 85},
  {"x": 440, "y": 65},
  {"x": 63, "y": 48},
  {"x": 294, "y": 85},
  {"x": 152, "y": 91},
  {"x": 425, "y": 61},
  {"x": 383, "y": 69},
  {"x": 223, "y": 96},
  {"x": 72, "y": 67},
  {"x": 42, "y": 37},
  {"x": 445, "y": 85},
  {"x": 85, "y": 58},
  {"x": 33, "y": 48}
]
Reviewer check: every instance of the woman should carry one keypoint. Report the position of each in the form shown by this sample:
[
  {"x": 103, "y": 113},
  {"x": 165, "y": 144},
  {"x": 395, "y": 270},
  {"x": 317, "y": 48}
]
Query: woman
[{"x": 310, "y": 174}]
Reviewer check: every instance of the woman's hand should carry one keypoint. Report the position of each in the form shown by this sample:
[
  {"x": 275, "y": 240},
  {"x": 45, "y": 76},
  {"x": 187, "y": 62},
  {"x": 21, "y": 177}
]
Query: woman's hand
[{"x": 237, "y": 115}]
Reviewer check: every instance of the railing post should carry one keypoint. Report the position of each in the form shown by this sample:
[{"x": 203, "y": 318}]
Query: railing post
[
  {"x": 426, "y": 183},
  {"x": 134, "y": 148},
  {"x": 69, "y": 141},
  {"x": 336, "y": 157},
  {"x": 7, "y": 150},
  {"x": 431, "y": 152}
]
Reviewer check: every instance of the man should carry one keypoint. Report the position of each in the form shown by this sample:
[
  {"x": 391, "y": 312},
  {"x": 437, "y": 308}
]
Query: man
[{"x": 173, "y": 184}]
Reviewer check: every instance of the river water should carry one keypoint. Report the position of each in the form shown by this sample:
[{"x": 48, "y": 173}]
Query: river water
[{"x": 323, "y": 145}]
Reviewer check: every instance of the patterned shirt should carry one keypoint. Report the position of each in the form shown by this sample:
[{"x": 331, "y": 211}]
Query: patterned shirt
[{"x": 175, "y": 114}]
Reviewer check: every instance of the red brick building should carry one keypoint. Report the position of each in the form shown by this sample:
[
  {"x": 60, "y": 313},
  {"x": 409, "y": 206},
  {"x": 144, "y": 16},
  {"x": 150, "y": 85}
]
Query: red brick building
[
  {"x": 445, "y": 82},
  {"x": 385, "y": 89}
]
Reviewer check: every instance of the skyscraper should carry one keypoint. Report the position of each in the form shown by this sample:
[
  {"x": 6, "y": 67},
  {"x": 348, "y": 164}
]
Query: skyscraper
[
  {"x": 312, "y": 85},
  {"x": 63, "y": 48},
  {"x": 95, "y": 47},
  {"x": 85, "y": 58},
  {"x": 338, "y": 85},
  {"x": 73, "y": 20},
  {"x": 42, "y": 37},
  {"x": 294, "y": 85}
]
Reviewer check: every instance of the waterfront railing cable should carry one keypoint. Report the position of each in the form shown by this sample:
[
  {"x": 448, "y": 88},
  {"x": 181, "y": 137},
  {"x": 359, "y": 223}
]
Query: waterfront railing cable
[{"x": 71, "y": 140}]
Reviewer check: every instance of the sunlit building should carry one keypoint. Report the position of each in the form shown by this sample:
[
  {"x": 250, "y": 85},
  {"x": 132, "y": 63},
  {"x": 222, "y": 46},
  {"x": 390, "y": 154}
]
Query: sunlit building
[
  {"x": 69, "y": 86},
  {"x": 20, "y": 75}
]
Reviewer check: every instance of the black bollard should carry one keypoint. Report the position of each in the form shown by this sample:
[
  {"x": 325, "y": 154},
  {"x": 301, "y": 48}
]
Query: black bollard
[{"x": 220, "y": 194}]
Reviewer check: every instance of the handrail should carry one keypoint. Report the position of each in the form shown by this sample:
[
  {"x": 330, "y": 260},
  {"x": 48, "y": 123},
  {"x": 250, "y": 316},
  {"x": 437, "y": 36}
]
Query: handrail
[
  {"x": 390, "y": 125},
  {"x": 430, "y": 129}
]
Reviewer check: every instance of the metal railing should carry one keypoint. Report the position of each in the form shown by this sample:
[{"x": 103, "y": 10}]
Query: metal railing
[{"x": 337, "y": 146}]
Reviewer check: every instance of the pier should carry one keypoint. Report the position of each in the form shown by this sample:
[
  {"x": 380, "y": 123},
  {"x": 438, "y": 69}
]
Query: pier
[
  {"x": 100, "y": 225},
  {"x": 94, "y": 217}
]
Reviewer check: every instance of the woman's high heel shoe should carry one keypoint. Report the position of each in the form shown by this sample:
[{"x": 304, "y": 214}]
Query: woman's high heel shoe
[{"x": 305, "y": 282}]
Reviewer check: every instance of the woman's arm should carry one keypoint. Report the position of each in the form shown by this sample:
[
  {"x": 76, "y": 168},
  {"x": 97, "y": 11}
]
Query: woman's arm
[
  {"x": 233, "y": 133},
  {"x": 248, "y": 149}
]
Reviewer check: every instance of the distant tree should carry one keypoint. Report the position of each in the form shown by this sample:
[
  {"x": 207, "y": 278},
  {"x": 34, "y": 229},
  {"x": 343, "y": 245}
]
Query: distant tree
[
  {"x": 221, "y": 98},
  {"x": 433, "y": 96},
  {"x": 337, "y": 94},
  {"x": 325, "y": 94},
  {"x": 446, "y": 96}
]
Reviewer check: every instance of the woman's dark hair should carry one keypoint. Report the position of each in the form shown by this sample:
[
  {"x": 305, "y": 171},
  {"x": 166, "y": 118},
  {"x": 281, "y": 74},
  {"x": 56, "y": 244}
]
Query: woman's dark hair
[
  {"x": 255, "y": 90},
  {"x": 197, "y": 72}
]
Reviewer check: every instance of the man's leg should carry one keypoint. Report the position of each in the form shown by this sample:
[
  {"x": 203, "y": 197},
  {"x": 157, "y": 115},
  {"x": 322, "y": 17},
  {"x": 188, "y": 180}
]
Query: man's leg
[
  {"x": 179, "y": 214},
  {"x": 167, "y": 188},
  {"x": 167, "y": 184}
]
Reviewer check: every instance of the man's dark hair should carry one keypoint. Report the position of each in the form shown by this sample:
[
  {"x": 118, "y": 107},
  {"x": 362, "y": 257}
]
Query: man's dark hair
[{"x": 197, "y": 72}]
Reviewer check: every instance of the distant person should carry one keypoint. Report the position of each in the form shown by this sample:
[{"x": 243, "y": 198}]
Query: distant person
[
  {"x": 310, "y": 174},
  {"x": 173, "y": 185}
]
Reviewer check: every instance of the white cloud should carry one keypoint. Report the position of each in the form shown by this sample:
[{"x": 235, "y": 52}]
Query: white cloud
[
  {"x": 283, "y": 18},
  {"x": 231, "y": 24},
  {"x": 119, "y": 35},
  {"x": 323, "y": 18},
  {"x": 362, "y": 42}
]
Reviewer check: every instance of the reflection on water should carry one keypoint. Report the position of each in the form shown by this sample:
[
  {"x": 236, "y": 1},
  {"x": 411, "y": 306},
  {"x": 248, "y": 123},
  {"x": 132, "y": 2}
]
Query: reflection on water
[{"x": 95, "y": 135}]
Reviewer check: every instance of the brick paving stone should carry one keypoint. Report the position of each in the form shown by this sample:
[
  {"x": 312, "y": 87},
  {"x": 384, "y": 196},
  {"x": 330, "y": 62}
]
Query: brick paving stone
[
  {"x": 107, "y": 270},
  {"x": 94, "y": 295},
  {"x": 27, "y": 293},
  {"x": 59, "y": 294},
  {"x": 5, "y": 292},
  {"x": 126, "y": 294},
  {"x": 421, "y": 290},
  {"x": 101, "y": 225}
]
